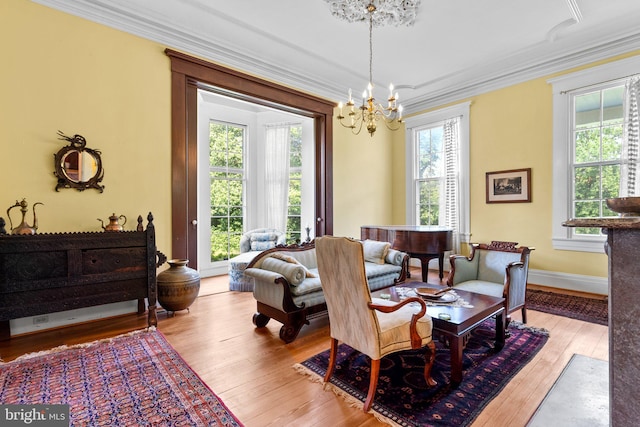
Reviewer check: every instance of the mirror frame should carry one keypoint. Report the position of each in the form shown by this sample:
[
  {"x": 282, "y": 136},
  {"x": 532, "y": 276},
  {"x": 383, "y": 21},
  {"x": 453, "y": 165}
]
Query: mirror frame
[{"x": 77, "y": 143}]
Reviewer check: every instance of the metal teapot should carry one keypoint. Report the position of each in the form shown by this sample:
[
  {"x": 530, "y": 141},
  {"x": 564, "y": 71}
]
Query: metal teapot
[
  {"x": 24, "y": 228},
  {"x": 113, "y": 223}
]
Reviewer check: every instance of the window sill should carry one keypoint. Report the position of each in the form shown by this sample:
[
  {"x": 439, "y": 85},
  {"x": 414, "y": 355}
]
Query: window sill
[{"x": 591, "y": 245}]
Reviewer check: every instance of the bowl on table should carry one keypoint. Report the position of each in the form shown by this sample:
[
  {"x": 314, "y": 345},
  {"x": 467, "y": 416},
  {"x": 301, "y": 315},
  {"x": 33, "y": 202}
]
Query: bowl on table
[
  {"x": 436, "y": 294},
  {"x": 625, "y": 206}
]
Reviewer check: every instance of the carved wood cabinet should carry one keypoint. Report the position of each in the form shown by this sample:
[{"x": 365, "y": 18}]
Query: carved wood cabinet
[{"x": 46, "y": 273}]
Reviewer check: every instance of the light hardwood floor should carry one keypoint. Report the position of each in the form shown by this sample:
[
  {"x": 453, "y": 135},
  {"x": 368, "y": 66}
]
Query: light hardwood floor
[{"x": 250, "y": 369}]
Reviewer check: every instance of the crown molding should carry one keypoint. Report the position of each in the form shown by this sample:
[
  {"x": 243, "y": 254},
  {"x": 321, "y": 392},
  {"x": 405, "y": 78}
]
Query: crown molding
[
  {"x": 510, "y": 70},
  {"x": 502, "y": 75},
  {"x": 103, "y": 12}
]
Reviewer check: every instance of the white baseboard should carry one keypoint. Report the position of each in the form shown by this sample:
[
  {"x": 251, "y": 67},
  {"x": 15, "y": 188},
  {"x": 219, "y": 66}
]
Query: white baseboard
[{"x": 574, "y": 282}]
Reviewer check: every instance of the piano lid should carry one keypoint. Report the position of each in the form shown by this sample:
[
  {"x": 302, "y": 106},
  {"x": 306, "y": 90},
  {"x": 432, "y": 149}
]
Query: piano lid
[{"x": 423, "y": 228}]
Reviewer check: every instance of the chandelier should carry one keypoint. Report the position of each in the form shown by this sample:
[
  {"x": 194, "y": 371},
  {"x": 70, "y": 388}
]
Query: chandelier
[{"x": 394, "y": 12}]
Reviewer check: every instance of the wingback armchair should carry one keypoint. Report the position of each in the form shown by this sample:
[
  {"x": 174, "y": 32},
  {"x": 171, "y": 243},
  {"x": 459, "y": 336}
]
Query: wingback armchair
[
  {"x": 374, "y": 327},
  {"x": 499, "y": 269}
]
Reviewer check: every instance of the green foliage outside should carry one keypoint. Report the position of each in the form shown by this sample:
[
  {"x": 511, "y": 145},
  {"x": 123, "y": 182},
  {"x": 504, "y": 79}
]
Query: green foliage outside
[
  {"x": 430, "y": 175},
  {"x": 226, "y": 159},
  {"x": 597, "y": 154},
  {"x": 227, "y": 190},
  {"x": 294, "y": 214}
]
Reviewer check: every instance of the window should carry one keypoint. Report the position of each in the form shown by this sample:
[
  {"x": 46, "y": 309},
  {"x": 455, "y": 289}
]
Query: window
[
  {"x": 597, "y": 124},
  {"x": 227, "y": 174},
  {"x": 429, "y": 182},
  {"x": 589, "y": 155},
  {"x": 437, "y": 179},
  {"x": 294, "y": 200}
]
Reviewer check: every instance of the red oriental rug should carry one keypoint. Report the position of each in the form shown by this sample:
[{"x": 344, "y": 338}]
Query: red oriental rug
[
  {"x": 403, "y": 398},
  {"x": 131, "y": 380},
  {"x": 575, "y": 307}
]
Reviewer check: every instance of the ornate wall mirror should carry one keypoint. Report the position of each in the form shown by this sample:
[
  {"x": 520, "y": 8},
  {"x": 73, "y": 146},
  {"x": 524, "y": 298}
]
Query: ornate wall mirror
[{"x": 77, "y": 166}]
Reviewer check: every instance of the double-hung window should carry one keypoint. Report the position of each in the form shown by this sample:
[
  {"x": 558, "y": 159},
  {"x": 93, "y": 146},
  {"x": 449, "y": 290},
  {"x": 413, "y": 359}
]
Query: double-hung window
[
  {"x": 294, "y": 199},
  {"x": 591, "y": 152},
  {"x": 437, "y": 170}
]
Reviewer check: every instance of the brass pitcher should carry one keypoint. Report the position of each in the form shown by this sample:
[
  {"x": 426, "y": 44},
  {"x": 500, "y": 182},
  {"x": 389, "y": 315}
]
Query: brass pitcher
[
  {"x": 113, "y": 223},
  {"x": 24, "y": 228}
]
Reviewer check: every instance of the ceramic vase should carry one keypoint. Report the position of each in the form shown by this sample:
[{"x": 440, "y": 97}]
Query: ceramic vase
[{"x": 178, "y": 286}]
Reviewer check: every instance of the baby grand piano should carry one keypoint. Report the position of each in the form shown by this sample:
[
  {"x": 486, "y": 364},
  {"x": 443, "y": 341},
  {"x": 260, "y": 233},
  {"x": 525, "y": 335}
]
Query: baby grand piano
[{"x": 424, "y": 242}]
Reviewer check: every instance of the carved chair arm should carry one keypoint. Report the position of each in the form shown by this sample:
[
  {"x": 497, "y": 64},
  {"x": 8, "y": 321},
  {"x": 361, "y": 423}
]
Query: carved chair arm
[{"x": 416, "y": 340}]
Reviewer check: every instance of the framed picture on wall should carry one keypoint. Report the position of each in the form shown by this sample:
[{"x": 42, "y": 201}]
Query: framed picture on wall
[{"x": 510, "y": 186}]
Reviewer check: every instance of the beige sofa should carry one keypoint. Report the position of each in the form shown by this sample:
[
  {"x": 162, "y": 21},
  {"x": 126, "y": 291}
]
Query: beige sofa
[{"x": 287, "y": 284}]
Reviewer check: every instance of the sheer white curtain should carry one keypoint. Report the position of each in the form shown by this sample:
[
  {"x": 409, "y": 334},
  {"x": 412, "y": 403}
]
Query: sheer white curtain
[
  {"x": 452, "y": 179},
  {"x": 629, "y": 176},
  {"x": 277, "y": 175}
]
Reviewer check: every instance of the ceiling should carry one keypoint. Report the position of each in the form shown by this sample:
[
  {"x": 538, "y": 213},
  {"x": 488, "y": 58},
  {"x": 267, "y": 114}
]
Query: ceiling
[{"x": 455, "y": 49}]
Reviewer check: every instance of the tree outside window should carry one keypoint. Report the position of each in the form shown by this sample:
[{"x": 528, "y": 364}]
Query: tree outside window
[
  {"x": 227, "y": 179},
  {"x": 430, "y": 178},
  {"x": 598, "y": 127}
]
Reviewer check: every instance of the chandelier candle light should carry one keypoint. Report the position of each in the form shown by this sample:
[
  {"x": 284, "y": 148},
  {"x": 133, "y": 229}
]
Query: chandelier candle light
[{"x": 370, "y": 112}]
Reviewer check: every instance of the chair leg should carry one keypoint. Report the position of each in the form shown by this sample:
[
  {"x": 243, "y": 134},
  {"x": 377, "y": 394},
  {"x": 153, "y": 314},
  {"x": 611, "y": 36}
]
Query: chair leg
[
  {"x": 524, "y": 314},
  {"x": 373, "y": 384},
  {"x": 430, "y": 357},
  {"x": 332, "y": 359}
]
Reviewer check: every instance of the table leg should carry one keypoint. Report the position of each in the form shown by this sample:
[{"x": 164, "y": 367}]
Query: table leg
[
  {"x": 500, "y": 330},
  {"x": 455, "y": 347}
]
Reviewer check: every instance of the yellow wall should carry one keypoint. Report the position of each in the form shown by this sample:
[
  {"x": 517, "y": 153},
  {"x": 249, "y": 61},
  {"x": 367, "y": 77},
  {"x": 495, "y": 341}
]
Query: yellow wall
[
  {"x": 362, "y": 179},
  {"x": 64, "y": 73},
  {"x": 512, "y": 128}
]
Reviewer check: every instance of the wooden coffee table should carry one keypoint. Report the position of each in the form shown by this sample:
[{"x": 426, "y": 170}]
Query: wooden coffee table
[{"x": 462, "y": 320}]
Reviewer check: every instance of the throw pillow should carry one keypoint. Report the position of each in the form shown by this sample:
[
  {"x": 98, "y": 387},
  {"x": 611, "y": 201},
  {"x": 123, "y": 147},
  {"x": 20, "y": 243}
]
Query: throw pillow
[
  {"x": 294, "y": 274},
  {"x": 263, "y": 237},
  {"x": 262, "y": 246},
  {"x": 375, "y": 251},
  {"x": 292, "y": 260}
]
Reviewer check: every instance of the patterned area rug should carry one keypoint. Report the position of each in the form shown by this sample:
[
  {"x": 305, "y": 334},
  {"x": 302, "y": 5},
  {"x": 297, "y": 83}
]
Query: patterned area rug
[
  {"x": 131, "y": 380},
  {"x": 581, "y": 308},
  {"x": 402, "y": 397}
]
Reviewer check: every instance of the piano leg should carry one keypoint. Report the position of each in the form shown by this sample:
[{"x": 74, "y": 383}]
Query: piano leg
[{"x": 424, "y": 263}]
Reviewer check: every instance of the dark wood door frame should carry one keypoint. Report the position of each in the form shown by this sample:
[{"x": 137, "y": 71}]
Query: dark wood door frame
[{"x": 188, "y": 74}]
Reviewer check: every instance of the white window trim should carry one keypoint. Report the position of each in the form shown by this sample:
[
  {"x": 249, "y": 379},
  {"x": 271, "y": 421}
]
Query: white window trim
[
  {"x": 561, "y": 236},
  {"x": 413, "y": 125}
]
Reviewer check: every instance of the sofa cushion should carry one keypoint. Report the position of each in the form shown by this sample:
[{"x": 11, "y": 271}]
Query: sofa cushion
[
  {"x": 294, "y": 273},
  {"x": 482, "y": 287},
  {"x": 375, "y": 251},
  {"x": 308, "y": 286}
]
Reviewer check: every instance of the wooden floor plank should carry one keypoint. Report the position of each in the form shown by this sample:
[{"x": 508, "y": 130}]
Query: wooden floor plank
[{"x": 251, "y": 369}]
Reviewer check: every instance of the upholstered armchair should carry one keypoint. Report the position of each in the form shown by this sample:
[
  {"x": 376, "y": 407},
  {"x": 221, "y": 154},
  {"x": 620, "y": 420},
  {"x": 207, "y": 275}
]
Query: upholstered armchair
[
  {"x": 261, "y": 239},
  {"x": 499, "y": 269},
  {"x": 374, "y": 327}
]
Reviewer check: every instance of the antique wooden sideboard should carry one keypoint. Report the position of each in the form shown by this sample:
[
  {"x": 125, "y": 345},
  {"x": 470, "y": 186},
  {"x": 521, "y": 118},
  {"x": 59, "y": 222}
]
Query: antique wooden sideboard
[{"x": 46, "y": 273}]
